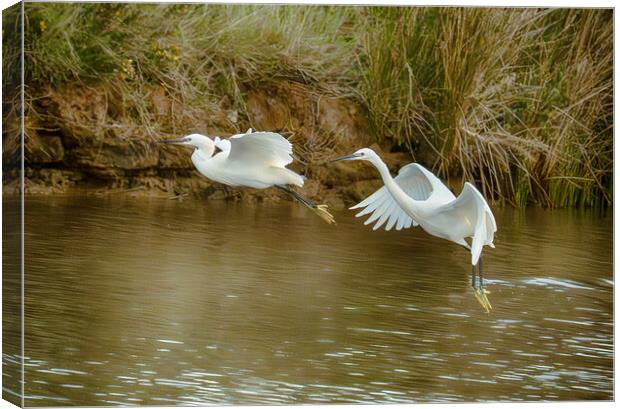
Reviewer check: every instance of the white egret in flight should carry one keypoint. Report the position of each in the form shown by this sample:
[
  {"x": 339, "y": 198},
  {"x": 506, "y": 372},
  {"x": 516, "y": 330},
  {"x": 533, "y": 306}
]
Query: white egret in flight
[
  {"x": 252, "y": 159},
  {"x": 417, "y": 197}
]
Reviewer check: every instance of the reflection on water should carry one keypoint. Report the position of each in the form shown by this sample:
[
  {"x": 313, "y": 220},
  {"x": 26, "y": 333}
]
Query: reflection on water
[{"x": 138, "y": 301}]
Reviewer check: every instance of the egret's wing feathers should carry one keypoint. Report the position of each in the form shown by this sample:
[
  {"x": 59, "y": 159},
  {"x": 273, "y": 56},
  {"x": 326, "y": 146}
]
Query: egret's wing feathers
[
  {"x": 415, "y": 181},
  {"x": 260, "y": 148},
  {"x": 471, "y": 206},
  {"x": 223, "y": 144}
]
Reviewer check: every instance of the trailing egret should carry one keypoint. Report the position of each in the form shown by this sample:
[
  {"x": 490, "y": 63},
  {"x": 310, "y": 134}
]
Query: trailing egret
[
  {"x": 417, "y": 197},
  {"x": 252, "y": 159}
]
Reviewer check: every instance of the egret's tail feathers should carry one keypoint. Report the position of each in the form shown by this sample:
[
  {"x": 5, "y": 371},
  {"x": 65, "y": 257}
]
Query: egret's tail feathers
[{"x": 287, "y": 177}]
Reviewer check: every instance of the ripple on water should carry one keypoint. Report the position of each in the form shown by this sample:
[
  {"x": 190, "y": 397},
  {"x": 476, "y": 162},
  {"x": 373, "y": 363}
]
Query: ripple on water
[
  {"x": 72, "y": 386},
  {"x": 170, "y": 341},
  {"x": 557, "y": 284},
  {"x": 62, "y": 371}
]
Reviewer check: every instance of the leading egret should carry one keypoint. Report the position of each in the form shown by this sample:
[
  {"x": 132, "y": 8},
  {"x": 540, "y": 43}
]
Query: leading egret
[
  {"x": 252, "y": 159},
  {"x": 417, "y": 197}
]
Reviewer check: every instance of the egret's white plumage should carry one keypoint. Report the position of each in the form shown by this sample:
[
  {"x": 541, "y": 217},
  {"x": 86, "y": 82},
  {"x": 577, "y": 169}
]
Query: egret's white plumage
[
  {"x": 251, "y": 159},
  {"x": 417, "y": 197},
  {"x": 416, "y": 182},
  {"x": 255, "y": 160}
]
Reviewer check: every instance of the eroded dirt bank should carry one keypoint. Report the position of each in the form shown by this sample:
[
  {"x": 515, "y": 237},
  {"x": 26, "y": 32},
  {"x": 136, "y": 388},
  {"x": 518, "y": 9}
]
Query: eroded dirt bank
[{"x": 86, "y": 141}]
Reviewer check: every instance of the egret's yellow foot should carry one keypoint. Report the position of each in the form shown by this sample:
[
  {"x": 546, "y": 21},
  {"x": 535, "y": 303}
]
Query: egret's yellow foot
[
  {"x": 486, "y": 299},
  {"x": 323, "y": 213},
  {"x": 481, "y": 296}
]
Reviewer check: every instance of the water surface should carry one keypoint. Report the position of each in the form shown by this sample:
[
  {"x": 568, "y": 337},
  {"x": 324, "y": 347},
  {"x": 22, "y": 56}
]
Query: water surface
[{"x": 160, "y": 302}]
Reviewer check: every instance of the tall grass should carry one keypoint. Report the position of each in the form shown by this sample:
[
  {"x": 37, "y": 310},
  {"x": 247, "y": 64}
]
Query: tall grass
[{"x": 517, "y": 100}]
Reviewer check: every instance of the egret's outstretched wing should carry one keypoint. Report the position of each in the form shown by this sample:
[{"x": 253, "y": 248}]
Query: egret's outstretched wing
[
  {"x": 260, "y": 149},
  {"x": 384, "y": 208},
  {"x": 415, "y": 181},
  {"x": 470, "y": 207}
]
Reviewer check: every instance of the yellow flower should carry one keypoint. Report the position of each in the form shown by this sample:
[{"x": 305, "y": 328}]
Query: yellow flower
[
  {"x": 42, "y": 25},
  {"x": 128, "y": 69}
]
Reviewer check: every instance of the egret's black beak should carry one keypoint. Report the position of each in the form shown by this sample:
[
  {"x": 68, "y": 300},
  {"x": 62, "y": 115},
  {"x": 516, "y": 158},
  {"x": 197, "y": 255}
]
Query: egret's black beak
[
  {"x": 346, "y": 157},
  {"x": 177, "y": 141}
]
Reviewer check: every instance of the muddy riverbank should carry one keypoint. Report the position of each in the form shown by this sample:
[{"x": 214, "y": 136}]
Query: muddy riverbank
[{"x": 85, "y": 142}]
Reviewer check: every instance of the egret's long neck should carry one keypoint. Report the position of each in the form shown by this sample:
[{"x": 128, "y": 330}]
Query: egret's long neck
[
  {"x": 205, "y": 150},
  {"x": 202, "y": 159},
  {"x": 405, "y": 201}
]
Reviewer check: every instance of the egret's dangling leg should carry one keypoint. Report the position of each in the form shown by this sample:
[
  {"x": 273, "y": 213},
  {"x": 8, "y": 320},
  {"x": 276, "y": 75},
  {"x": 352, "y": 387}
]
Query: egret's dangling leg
[
  {"x": 479, "y": 290},
  {"x": 473, "y": 277},
  {"x": 480, "y": 272},
  {"x": 320, "y": 210},
  {"x": 477, "y": 284}
]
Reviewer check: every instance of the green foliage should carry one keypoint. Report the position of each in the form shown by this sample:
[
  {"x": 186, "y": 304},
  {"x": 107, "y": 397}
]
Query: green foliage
[
  {"x": 517, "y": 100},
  {"x": 216, "y": 44},
  {"x": 11, "y": 46}
]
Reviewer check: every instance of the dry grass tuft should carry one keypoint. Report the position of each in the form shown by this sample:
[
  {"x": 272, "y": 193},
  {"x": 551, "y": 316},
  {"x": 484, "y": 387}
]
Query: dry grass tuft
[{"x": 518, "y": 100}]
